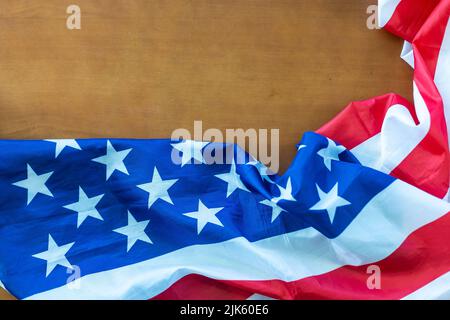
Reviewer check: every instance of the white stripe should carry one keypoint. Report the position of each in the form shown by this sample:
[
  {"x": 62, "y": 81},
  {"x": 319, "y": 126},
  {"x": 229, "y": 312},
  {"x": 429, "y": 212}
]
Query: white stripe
[
  {"x": 399, "y": 136},
  {"x": 259, "y": 297},
  {"x": 408, "y": 53},
  {"x": 439, "y": 289},
  {"x": 376, "y": 232},
  {"x": 386, "y": 9}
]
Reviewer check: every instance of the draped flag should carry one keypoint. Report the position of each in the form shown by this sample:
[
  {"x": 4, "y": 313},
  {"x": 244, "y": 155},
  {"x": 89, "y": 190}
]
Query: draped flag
[
  {"x": 392, "y": 135},
  {"x": 370, "y": 188},
  {"x": 133, "y": 223}
]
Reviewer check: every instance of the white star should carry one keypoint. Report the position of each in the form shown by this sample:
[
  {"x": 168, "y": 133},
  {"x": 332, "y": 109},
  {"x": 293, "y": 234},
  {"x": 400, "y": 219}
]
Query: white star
[
  {"x": 62, "y": 143},
  {"x": 285, "y": 193},
  {"x": 331, "y": 152},
  {"x": 34, "y": 184},
  {"x": 329, "y": 201},
  {"x": 85, "y": 207},
  {"x": 276, "y": 210},
  {"x": 190, "y": 150},
  {"x": 134, "y": 231},
  {"x": 113, "y": 160},
  {"x": 55, "y": 255},
  {"x": 233, "y": 179},
  {"x": 157, "y": 188},
  {"x": 204, "y": 215},
  {"x": 262, "y": 169}
]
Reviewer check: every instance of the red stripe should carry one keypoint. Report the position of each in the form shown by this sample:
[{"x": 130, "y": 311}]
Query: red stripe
[
  {"x": 198, "y": 287},
  {"x": 429, "y": 39},
  {"x": 409, "y": 17},
  {"x": 362, "y": 120}
]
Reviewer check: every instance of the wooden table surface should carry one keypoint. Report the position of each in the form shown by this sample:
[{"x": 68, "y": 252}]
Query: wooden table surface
[{"x": 142, "y": 68}]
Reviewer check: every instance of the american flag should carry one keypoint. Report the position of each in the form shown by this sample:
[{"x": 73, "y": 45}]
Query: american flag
[{"x": 369, "y": 188}]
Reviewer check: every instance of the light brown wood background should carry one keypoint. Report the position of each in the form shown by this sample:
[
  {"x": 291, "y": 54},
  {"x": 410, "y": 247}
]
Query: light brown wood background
[{"x": 142, "y": 68}]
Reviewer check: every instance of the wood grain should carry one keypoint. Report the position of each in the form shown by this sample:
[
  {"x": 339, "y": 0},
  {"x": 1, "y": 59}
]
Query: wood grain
[{"x": 142, "y": 68}]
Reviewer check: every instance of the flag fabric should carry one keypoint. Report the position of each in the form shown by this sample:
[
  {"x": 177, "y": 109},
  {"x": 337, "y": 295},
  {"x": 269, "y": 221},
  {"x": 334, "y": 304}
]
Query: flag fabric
[
  {"x": 131, "y": 222},
  {"x": 392, "y": 135},
  {"x": 367, "y": 190}
]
